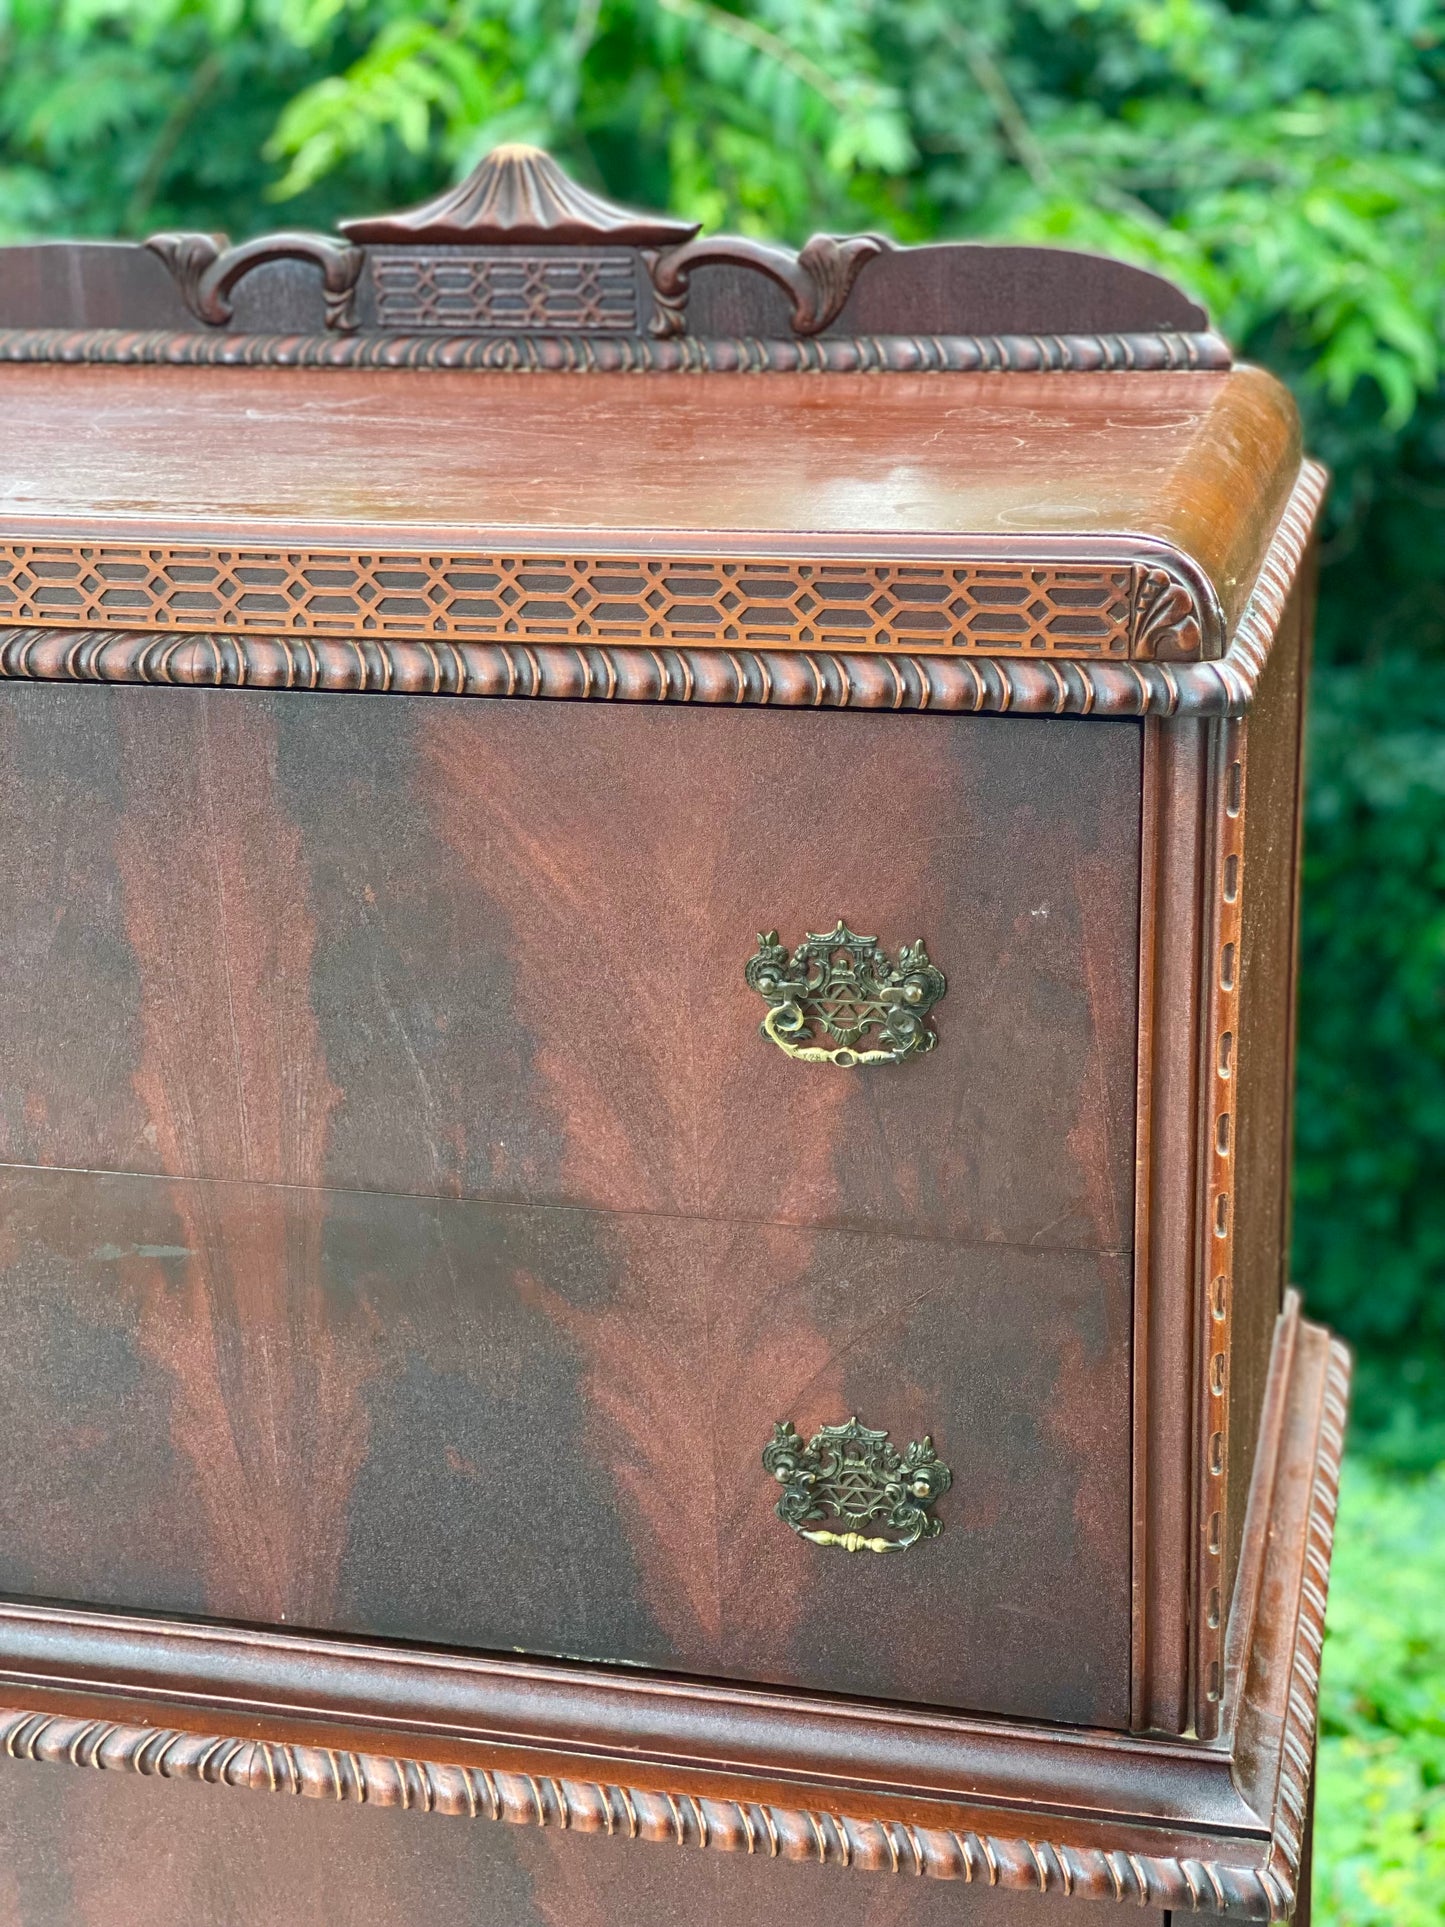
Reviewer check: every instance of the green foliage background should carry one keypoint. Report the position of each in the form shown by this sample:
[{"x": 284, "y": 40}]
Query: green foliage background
[
  {"x": 1285, "y": 159},
  {"x": 1380, "y": 1800}
]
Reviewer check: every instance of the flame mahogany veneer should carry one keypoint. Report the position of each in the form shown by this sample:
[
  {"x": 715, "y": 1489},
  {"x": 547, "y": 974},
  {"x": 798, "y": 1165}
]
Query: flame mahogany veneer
[{"x": 409, "y": 1241}]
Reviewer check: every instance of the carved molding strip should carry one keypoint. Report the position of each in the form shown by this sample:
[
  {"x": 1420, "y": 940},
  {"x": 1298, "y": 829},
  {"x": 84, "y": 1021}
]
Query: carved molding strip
[
  {"x": 629, "y": 354},
  {"x": 1062, "y": 609},
  {"x": 793, "y": 678},
  {"x": 788, "y": 678},
  {"x": 1246, "y": 661},
  {"x": 1223, "y": 971},
  {"x": 1243, "y": 1892},
  {"x": 1291, "y": 1805},
  {"x": 1262, "y": 614}
]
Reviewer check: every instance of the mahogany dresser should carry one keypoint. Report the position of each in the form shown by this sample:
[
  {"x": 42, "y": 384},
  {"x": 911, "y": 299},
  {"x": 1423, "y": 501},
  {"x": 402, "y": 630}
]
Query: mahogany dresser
[{"x": 647, "y": 908}]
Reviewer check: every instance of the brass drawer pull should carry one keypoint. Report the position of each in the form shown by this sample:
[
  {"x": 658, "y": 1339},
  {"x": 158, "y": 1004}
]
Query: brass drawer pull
[
  {"x": 851, "y": 1473},
  {"x": 845, "y": 986}
]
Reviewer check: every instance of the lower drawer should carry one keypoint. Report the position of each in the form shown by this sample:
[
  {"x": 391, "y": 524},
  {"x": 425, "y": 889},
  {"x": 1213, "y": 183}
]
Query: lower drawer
[{"x": 541, "y": 1429}]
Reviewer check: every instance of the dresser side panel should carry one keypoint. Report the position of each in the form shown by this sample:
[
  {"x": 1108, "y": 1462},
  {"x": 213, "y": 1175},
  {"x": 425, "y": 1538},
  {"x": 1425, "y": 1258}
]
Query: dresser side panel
[{"x": 1263, "y": 1084}]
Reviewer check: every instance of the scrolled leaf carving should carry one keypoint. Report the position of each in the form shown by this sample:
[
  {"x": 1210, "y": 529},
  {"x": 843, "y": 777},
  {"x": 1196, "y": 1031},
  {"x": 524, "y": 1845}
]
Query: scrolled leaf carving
[
  {"x": 206, "y": 272},
  {"x": 831, "y": 262},
  {"x": 817, "y": 281},
  {"x": 1166, "y": 620}
]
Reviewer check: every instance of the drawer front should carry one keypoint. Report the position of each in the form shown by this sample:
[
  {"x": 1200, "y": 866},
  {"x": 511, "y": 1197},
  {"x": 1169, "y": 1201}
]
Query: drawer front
[
  {"x": 407, "y": 1229},
  {"x": 518, "y": 1428},
  {"x": 496, "y": 950}
]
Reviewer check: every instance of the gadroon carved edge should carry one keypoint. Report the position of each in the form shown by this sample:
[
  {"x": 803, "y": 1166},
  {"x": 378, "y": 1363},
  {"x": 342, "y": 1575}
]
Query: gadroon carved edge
[
  {"x": 886, "y": 354},
  {"x": 1291, "y": 1804},
  {"x": 1246, "y": 1892},
  {"x": 797, "y": 678},
  {"x": 1257, "y": 1883}
]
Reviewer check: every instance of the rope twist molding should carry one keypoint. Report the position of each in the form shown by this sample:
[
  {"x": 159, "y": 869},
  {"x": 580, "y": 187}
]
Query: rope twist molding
[{"x": 728, "y": 1826}]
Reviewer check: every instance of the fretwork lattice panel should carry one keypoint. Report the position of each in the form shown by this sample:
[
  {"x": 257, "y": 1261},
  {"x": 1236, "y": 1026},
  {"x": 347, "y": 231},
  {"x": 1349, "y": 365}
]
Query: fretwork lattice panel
[
  {"x": 503, "y": 292},
  {"x": 1059, "y": 610}
]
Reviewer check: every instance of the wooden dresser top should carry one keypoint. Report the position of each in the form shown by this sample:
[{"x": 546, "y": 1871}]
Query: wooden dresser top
[{"x": 932, "y": 465}]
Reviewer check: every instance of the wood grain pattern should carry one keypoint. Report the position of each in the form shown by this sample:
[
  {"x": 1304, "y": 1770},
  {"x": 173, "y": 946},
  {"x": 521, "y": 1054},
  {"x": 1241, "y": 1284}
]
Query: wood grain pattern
[
  {"x": 492, "y": 1040},
  {"x": 338, "y": 994},
  {"x": 416, "y": 978},
  {"x": 405, "y": 1233},
  {"x": 535, "y": 1431},
  {"x": 232, "y": 1077}
]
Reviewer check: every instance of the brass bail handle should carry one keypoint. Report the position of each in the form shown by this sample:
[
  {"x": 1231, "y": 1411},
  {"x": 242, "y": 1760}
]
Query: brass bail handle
[
  {"x": 840, "y": 985},
  {"x": 851, "y": 1473}
]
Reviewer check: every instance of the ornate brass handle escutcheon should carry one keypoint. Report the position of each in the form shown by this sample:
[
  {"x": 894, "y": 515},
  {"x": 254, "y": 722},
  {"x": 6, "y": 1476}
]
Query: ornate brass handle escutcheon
[
  {"x": 852, "y": 1474},
  {"x": 845, "y": 987}
]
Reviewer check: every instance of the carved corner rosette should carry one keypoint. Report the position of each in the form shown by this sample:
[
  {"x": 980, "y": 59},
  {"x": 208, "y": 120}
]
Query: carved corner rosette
[
  {"x": 851, "y": 1473},
  {"x": 207, "y": 272},
  {"x": 817, "y": 280}
]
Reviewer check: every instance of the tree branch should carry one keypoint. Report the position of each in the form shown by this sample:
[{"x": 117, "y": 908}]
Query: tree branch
[
  {"x": 1013, "y": 125},
  {"x": 762, "y": 40}
]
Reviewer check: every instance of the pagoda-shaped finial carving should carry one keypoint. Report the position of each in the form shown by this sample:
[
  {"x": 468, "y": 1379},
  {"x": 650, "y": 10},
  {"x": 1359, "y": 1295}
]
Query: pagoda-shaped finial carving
[{"x": 520, "y": 194}]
